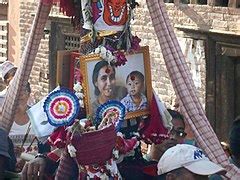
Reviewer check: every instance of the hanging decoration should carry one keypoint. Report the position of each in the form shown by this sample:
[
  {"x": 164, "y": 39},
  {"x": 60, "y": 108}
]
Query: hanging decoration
[
  {"x": 61, "y": 107},
  {"x": 107, "y": 32},
  {"x": 109, "y": 25}
]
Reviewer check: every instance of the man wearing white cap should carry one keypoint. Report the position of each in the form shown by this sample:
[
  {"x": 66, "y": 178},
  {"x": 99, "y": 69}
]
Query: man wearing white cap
[
  {"x": 20, "y": 125},
  {"x": 8, "y": 71},
  {"x": 185, "y": 161}
]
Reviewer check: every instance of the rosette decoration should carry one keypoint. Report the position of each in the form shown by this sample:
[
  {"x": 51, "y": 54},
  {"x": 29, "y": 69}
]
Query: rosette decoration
[
  {"x": 111, "y": 112},
  {"x": 61, "y": 107}
]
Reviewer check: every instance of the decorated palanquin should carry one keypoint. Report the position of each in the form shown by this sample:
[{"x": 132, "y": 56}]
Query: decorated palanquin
[{"x": 103, "y": 143}]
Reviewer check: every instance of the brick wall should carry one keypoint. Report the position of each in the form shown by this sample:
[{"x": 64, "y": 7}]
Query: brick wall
[
  {"x": 206, "y": 18},
  {"x": 203, "y": 17},
  {"x": 39, "y": 76}
]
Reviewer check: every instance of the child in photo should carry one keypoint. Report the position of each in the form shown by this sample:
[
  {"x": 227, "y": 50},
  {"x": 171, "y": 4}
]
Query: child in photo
[{"x": 135, "y": 99}]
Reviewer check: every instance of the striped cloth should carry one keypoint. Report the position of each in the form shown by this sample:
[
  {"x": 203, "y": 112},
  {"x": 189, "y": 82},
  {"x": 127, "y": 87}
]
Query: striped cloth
[
  {"x": 185, "y": 89},
  {"x": 20, "y": 80}
]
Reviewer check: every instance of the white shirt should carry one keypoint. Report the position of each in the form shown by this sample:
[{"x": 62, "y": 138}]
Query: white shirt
[{"x": 15, "y": 129}]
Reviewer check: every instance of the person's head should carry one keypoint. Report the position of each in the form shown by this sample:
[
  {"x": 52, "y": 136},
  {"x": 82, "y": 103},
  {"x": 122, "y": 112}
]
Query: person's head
[
  {"x": 177, "y": 135},
  {"x": 104, "y": 79},
  {"x": 178, "y": 129},
  {"x": 234, "y": 139},
  {"x": 8, "y": 71},
  {"x": 185, "y": 161},
  {"x": 135, "y": 83}
]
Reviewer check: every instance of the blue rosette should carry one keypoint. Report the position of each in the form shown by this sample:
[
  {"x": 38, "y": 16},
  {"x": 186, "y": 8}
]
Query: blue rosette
[
  {"x": 111, "y": 106},
  {"x": 61, "y": 107}
]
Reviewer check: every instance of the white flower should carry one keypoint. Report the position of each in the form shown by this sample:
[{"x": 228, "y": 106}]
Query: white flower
[
  {"x": 79, "y": 95},
  {"x": 154, "y": 134},
  {"x": 103, "y": 55},
  {"x": 109, "y": 56},
  {"x": 97, "y": 50},
  {"x": 115, "y": 153},
  {"x": 77, "y": 87},
  {"x": 103, "y": 50},
  {"x": 81, "y": 103},
  {"x": 120, "y": 134},
  {"x": 112, "y": 168},
  {"x": 71, "y": 150},
  {"x": 136, "y": 134},
  {"x": 103, "y": 176}
]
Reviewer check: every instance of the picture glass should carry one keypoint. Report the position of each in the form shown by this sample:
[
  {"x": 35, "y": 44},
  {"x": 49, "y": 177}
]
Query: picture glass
[{"x": 130, "y": 84}]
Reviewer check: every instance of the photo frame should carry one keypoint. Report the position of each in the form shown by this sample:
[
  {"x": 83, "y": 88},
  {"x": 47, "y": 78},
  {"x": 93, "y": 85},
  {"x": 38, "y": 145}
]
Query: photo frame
[
  {"x": 139, "y": 61},
  {"x": 68, "y": 68}
]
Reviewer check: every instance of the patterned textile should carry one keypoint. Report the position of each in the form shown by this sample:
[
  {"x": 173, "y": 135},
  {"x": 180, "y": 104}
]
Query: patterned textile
[
  {"x": 66, "y": 167},
  {"x": 185, "y": 89},
  {"x": 154, "y": 130},
  {"x": 131, "y": 106},
  {"x": 20, "y": 80},
  {"x": 104, "y": 16}
]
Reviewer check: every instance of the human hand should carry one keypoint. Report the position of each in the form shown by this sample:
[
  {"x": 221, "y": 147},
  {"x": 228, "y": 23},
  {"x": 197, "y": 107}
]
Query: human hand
[
  {"x": 166, "y": 144},
  {"x": 157, "y": 150},
  {"x": 34, "y": 169}
]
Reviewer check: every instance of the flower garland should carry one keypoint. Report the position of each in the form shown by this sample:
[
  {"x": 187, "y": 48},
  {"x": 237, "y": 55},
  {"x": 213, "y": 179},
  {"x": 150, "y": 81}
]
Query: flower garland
[
  {"x": 78, "y": 89},
  {"x": 117, "y": 57}
]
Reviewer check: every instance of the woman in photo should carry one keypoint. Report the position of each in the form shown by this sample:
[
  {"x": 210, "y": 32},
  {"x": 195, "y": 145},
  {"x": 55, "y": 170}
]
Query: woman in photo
[{"x": 105, "y": 87}]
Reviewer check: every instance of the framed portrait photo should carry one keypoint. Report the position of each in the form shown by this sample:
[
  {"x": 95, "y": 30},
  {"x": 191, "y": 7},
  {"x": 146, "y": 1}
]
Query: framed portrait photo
[{"x": 130, "y": 84}]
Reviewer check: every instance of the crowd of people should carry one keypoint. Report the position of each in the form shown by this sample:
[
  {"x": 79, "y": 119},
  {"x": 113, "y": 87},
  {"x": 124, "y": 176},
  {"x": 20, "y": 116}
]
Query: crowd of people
[{"x": 172, "y": 159}]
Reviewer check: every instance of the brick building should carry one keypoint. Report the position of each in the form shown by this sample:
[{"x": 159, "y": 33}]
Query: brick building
[{"x": 208, "y": 33}]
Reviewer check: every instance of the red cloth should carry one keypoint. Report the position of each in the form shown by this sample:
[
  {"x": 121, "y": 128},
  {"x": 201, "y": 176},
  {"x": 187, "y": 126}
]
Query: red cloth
[
  {"x": 154, "y": 130},
  {"x": 67, "y": 7},
  {"x": 94, "y": 147},
  {"x": 151, "y": 169},
  {"x": 54, "y": 157},
  {"x": 125, "y": 145},
  {"x": 58, "y": 138}
]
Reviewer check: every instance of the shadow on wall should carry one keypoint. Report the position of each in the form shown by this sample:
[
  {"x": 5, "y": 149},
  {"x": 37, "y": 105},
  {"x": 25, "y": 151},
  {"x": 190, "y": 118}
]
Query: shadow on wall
[{"x": 193, "y": 15}]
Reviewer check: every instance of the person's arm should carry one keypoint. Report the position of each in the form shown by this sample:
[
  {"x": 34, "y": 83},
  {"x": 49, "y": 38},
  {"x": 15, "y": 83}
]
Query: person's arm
[
  {"x": 43, "y": 164},
  {"x": 34, "y": 168},
  {"x": 157, "y": 150},
  {"x": 21, "y": 117}
]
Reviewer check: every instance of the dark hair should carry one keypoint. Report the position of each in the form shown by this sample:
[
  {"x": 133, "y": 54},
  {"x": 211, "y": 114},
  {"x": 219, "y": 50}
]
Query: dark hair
[
  {"x": 137, "y": 74},
  {"x": 178, "y": 172},
  {"x": 176, "y": 115},
  {"x": 96, "y": 70},
  {"x": 234, "y": 138},
  {"x": 11, "y": 72}
]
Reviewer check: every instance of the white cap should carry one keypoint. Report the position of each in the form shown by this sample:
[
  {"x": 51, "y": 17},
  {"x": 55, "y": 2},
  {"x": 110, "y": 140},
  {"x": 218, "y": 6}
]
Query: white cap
[
  {"x": 6, "y": 67},
  {"x": 189, "y": 157}
]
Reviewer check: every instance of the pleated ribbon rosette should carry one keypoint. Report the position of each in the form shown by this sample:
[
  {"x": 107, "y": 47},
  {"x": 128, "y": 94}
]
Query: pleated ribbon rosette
[{"x": 61, "y": 107}]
